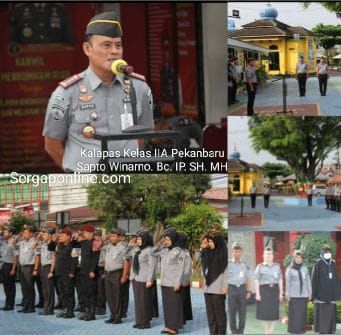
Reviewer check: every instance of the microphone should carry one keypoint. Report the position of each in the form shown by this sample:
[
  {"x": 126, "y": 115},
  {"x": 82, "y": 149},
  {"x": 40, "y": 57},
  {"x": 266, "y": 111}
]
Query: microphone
[{"x": 119, "y": 66}]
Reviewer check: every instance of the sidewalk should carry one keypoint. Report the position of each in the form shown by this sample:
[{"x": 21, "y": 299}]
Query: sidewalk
[
  {"x": 269, "y": 98},
  {"x": 282, "y": 216},
  {"x": 13, "y": 323}
]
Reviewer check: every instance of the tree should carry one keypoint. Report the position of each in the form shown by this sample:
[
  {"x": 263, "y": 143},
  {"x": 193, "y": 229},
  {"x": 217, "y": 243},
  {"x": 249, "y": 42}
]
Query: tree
[
  {"x": 332, "y": 6},
  {"x": 19, "y": 220},
  {"x": 310, "y": 246},
  {"x": 327, "y": 35},
  {"x": 153, "y": 198},
  {"x": 302, "y": 142},
  {"x": 272, "y": 170},
  {"x": 195, "y": 220}
]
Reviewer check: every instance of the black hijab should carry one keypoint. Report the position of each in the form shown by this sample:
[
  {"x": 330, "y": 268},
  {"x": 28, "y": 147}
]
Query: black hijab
[
  {"x": 298, "y": 267},
  {"x": 174, "y": 237},
  {"x": 214, "y": 261},
  {"x": 147, "y": 241},
  {"x": 182, "y": 241}
]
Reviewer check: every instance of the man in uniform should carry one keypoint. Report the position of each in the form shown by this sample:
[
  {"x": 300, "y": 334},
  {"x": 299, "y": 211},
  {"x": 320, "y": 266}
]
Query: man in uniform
[
  {"x": 116, "y": 269},
  {"x": 250, "y": 79},
  {"x": 40, "y": 23},
  {"x": 322, "y": 75},
  {"x": 47, "y": 261},
  {"x": 95, "y": 101},
  {"x": 101, "y": 299},
  {"x": 9, "y": 267},
  {"x": 239, "y": 281},
  {"x": 29, "y": 265},
  {"x": 126, "y": 285},
  {"x": 327, "y": 196},
  {"x": 253, "y": 195},
  {"x": 65, "y": 268},
  {"x": 89, "y": 272},
  {"x": 302, "y": 75}
]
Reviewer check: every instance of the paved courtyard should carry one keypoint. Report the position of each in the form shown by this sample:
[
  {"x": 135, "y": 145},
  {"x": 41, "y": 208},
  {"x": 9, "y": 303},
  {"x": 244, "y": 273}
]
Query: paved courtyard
[
  {"x": 284, "y": 214},
  {"x": 13, "y": 323},
  {"x": 269, "y": 98},
  {"x": 254, "y": 326}
]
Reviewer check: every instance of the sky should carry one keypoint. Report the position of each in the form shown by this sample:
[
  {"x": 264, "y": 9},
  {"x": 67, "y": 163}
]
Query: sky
[
  {"x": 238, "y": 136},
  {"x": 291, "y": 13}
]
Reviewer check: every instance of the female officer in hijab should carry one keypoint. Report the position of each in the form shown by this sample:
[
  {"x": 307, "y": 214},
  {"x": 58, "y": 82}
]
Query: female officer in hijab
[
  {"x": 143, "y": 275},
  {"x": 186, "y": 287},
  {"x": 297, "y": 292},
  {"x": 325, "y": 291},
  {"x": 172, "y": 274},
  {"x": 214, "y": 267}
]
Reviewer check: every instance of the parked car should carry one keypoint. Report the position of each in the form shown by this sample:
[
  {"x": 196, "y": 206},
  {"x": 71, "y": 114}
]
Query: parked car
[{"x": 319, "y": 190}]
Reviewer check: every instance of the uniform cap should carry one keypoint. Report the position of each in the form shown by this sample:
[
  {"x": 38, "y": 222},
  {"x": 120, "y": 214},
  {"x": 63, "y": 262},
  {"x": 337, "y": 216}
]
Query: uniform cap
[
  {"x": 29, "y": 228},
  {"x": 88, "y": 228},
  {"x": 48, "y": 230},
  {"x": 98, "y": 232},
  {"x": 11, "y": 229},
  {"x": 104, "y": 24},
  {"x": 122, "y": 231},
  {"x": 66, "y": 231},
  {"x": 116, "y": 231}
]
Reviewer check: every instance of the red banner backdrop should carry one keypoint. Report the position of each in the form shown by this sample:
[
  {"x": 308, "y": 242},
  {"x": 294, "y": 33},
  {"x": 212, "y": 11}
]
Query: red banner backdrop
[{"x": 5, "y": 215}]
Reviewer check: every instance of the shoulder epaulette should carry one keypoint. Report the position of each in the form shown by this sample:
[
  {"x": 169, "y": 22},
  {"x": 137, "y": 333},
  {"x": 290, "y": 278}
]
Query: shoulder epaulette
[
  {"x": 70, "y": 81},
  {"x": 137, "y": 76}
]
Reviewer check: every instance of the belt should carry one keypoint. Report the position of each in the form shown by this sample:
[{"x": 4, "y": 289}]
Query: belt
[
  {"x": 238, "y": 286},
  {"x": 270, "y": 285},
  {"x": 113, "y": 271},
  {"x": 46, "y": 265},
  {"x": 27, "y": 265}
]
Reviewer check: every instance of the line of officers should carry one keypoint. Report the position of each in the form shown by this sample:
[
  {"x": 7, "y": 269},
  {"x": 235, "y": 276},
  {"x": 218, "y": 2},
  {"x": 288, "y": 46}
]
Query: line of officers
[
  {"x": 323, "y": 288},
  {"x": 333, "y": 197},
  {"x": 100, "y": 270}
]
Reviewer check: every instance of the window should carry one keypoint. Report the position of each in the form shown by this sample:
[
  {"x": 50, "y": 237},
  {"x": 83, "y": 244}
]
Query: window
[
  {"x": 236, "y": 183},
  {"x": 274, "y": 61}
]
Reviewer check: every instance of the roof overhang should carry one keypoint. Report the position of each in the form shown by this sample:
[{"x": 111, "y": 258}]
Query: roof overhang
[{"x": 232, "y": 42}]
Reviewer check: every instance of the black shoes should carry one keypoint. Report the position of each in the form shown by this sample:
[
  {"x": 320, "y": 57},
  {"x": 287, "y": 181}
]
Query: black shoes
[
  {"x": 66, "y": 314},
  {"x": 6, "y": 308},
  {"x": 46, "y": 313},
  {"x": 29, "y": 311}
]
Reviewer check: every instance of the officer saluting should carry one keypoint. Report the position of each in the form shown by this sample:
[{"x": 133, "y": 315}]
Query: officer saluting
[
  {"x": 239, "y": 281},
  {"x": 9, "y": 267},
  {"x": 95, "y": 100},
  {"x": 251, "y": 80},
  {"x": 90, "y": 252}
]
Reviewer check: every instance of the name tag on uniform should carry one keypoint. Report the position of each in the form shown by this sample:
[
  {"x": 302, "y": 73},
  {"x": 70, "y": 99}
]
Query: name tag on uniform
[
  {"x": 126, "y": 120},
  {"x": 275, "y": 273},
  {"x": 26, "y": 250},
  {"x": 241, "y": 274},
  {"x": 330, "y": 275},
  {"x": 87, "y": 106}
]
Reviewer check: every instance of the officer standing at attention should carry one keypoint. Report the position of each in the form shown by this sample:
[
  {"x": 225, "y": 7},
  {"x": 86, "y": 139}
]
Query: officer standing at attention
[
  {"x": 29, "y": 265},
  {"x": 322, "y": 75},
  {"x": 253, "y": 195},
  {"x": 47, "y": 261},
  {"x": 266, "y": 195},
  {"x": 269, "y": 291},
  {"x": 239, "y": 281},
  {"x": 309, "y": 192},
  {"x": 101, "y": 299},
  {"x": 302, "y": 75},
  {"x": 251, "y": 80},
  {"x": 9, "y": 267},
  {"x": 126, "y": 285},
  {"x": 95, "y": 101},
  {"x": 89, "y": 272},
  {"x": 116, "y": 269}
]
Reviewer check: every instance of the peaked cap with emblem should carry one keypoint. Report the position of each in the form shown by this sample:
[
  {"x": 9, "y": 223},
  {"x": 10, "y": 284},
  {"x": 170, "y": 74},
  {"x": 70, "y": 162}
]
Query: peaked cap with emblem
[{"x": 104, "y": 24}]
